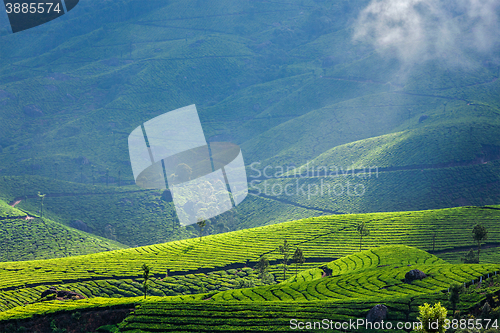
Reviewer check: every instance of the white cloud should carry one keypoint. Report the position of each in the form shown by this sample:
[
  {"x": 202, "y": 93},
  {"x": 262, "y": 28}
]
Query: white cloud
[{"x": 418, "y": 30}]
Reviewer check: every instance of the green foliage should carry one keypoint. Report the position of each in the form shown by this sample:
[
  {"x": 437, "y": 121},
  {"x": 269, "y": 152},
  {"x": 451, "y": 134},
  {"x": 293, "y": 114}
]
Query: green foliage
[
  {"x": 262, "y": 265},
  {"x": 363, "y": 231},
  {"x": 285, "y": 252},
  {"x": 201, "y": 224},
  {"x": 41, "y": 196},
  {"x": 479, "y": 234},
  {"x": 432, "y": 318},
  {"x": 145, "y": 276},
  {"x": 234, "y": 247},
  {"x": 470, "y": 258},
  {"x": 454, "y": 295},
  {"x": 299, "y": 258}
]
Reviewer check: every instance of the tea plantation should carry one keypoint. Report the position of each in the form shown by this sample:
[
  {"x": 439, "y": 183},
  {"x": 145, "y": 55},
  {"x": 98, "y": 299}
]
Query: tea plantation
[
  {"x": 355, "y": 284},
  {"x": 221, "y": 265}
]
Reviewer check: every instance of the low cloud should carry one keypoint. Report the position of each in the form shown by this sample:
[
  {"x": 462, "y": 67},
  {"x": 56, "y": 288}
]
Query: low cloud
[{"x": 419, "y": 30}]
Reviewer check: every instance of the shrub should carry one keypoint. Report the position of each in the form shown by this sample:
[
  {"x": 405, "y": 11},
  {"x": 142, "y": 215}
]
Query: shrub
[{"x": 432, "y": 318}]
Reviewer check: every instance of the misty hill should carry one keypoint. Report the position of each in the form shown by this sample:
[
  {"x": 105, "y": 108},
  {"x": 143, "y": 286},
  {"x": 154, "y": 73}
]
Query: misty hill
[{"x": 289, "y": 82}]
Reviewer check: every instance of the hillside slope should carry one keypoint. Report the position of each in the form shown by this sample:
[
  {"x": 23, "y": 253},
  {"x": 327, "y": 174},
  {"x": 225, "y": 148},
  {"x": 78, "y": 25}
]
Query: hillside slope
[
  {"x": 321, "y": 239},
  {"x": 285, "y": 81},
  {"x": 24, "y": 237}
]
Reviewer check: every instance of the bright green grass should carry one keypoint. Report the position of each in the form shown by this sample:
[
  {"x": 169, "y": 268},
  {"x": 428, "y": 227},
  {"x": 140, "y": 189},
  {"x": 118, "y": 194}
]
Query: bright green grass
[
  {"x": 376, "y": 274},
  {"x": 47, "y": 307},
  {"x": 323, "y": 238},
  {"x": 358, "y": 283},
  {"x": 164, "y": 286}
]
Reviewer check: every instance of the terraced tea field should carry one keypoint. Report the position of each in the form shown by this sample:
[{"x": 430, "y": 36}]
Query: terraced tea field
[
  {"x": 377, "y": 274},
  {"x": 37, "y": 238},
  {"x": 351, "y": 190},
  {"x": 322, "y": 240},
  {"x": 357, "y": 283},
  {"x": 23, "y": 237}
]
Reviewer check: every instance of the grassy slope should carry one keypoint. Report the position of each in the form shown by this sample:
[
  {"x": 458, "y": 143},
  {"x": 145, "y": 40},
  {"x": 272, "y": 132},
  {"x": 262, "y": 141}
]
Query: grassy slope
[
  {"x": 358, "y": 282},
  {"x": 31, "y": 239},
  {"x": 322, "y": 238},
  {"x": 129, "y": 214},
  {"x": 258, "y": 74}
]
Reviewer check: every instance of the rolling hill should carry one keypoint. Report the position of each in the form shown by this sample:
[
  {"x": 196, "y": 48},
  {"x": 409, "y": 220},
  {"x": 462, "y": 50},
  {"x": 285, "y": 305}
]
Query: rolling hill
[{"x": 285, "y": 81}]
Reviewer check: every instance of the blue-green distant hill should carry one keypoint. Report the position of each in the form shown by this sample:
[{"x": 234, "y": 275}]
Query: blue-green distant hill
[{"x": 284, "y": 80}]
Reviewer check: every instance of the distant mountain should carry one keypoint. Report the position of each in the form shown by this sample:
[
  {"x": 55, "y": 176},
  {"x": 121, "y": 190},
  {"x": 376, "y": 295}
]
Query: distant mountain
[{"x": 290, "y": 82}]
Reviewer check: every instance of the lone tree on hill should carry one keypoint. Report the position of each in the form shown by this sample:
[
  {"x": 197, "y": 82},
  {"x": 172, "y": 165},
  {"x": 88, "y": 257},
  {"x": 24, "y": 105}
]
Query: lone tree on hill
[
  {"x": 479, "y": 233},
  {"x": 362, "y": 231},
  {"x": 298, "y": 256},
  {"x": 145, "y": 275},
  {"x": 41, "y": 196},
  {"x": 454, "y": 295},
  {"x": 201, "y": 224},
  {"x": 285, "y": 251},
  {"x": 262, "y": 265}
]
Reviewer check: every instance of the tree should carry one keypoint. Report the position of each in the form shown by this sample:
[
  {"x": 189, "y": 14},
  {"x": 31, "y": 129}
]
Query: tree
[
  {"x": 41, "y": 196},
  {"x": 454, "y": 295},
  {"x": 479, "y": 233},
  {"x": 285, "y": 251},
  {"x": 145, "y": 275},
  {"x": 298, "y": 256},
  {"x": 432, "y": 318},
  {"x": 470, "y": 258},
  {"x": 201, "y": 224},
  {"x": 363, "y": 232},
  {"x": 183, "y": 172},
  {"x": 262, "y": 265}
]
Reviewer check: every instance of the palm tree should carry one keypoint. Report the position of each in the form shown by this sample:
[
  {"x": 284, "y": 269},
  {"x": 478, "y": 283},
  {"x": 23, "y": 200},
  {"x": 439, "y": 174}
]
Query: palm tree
[
  {"x": 201, "y": 224},
  {"x": 41, "y": 196},
  {"x": 145, "y": 275},
  {"x": 284, "y": 250},
  {"x": 298, "y": 256},
  {"x": 363, "y": 231}
]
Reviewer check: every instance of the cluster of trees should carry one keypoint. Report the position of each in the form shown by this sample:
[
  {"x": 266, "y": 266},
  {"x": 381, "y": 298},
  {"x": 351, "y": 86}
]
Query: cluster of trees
[
  {"x": 298, "y": 257},
  {"x": 285, "y": 251},
  {"x": 479, "y": 234}
]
